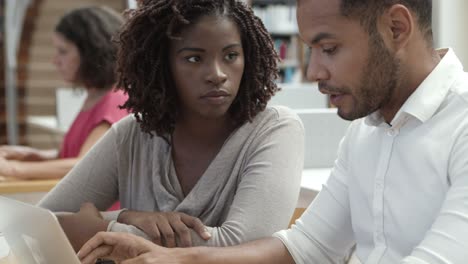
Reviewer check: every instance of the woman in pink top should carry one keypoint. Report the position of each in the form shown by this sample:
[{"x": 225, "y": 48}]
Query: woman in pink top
[
  {"x": 85, "y": 57},
  {"x": 103, "y": 113}
]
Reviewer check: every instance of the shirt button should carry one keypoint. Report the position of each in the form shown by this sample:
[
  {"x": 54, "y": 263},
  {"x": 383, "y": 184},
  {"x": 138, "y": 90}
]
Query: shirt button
[{"x": 391, "y": 132}]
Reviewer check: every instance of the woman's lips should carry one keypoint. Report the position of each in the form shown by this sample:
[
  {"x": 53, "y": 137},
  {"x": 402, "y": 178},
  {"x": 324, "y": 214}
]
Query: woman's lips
[{"x": 216, "y": 97}]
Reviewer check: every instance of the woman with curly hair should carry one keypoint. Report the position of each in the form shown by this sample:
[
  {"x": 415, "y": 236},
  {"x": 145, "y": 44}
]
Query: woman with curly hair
[
  {"x": 203, "y": 160},
  {"x": 86, "y": 57}
]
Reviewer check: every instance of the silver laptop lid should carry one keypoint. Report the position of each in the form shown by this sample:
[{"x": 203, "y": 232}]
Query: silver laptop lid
[{"x": 34, "y": 234}]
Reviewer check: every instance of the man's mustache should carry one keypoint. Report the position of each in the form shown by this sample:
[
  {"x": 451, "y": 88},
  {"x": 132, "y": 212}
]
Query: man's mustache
[{"x": 323, "y": 86}]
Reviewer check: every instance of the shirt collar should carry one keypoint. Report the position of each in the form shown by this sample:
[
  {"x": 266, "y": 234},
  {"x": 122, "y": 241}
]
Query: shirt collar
[{"x": 427, "y": 98}]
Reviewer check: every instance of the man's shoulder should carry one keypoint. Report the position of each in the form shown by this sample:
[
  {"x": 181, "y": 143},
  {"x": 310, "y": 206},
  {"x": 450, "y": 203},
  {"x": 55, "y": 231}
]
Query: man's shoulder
[{"x": 460, "y": 88}]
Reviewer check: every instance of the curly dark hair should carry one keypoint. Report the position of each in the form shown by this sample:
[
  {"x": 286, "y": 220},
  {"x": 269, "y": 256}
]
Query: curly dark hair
[
  {"x": 91, "y": 29},
  {"x": 143, "y": 62}
]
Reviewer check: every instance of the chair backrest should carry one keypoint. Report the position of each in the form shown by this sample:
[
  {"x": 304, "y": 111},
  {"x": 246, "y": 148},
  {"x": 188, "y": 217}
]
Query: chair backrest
[
  {"x": 297, "y": 213},
  {"x": 324, "y": 130},
  {"x": 69, "y": 103},
  {"x": 300, "y": 97}
]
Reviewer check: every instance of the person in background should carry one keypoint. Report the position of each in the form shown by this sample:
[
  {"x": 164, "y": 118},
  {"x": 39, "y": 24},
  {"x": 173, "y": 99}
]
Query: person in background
[
  {"x": 399, "y": 187},
  {"x": 86, "y": 57},
  {"x": 203, "y": 161}
]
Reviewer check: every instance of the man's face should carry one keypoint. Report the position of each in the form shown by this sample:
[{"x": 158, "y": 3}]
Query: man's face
[{"x": 350, "y": 64}]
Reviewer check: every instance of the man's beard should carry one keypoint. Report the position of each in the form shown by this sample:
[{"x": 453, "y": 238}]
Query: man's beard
[{"x": 378, "y": 81}]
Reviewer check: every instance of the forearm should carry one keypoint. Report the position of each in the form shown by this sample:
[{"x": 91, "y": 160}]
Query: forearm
[
  {"x": 52, "y": 169},
  {"x": 267, "y": 251},
  {"x": 48, "y": 154},
  {"x": 79, "y": 231},
  {"x": 130, "y": 229}
]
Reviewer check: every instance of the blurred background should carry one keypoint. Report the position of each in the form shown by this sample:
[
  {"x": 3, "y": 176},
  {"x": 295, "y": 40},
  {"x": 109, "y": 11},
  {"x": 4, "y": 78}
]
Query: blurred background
[{"x": 36, "y": 105}]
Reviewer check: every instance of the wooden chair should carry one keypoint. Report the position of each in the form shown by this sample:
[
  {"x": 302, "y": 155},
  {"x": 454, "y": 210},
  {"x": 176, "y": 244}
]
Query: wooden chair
[{"x": 297, "y": 213}]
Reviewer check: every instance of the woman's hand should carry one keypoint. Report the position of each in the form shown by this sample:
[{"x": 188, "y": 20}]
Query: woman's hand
[
  {"x": 165, "y": 227},
  {"x": 24, "y": 153},
  {"x": 114, "y": 246},
  {"x": 8, "y": 168}
]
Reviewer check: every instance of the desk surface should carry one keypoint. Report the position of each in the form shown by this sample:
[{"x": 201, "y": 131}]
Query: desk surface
[
  {"x": 11, "y": 185},
  {"x": 311, "y": 184},
  {"x": 313, "y": 179}
]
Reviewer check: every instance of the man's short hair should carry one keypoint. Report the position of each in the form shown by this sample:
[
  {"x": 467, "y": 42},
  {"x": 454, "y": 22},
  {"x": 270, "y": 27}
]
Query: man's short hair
[{"x": 369, "y": 10}]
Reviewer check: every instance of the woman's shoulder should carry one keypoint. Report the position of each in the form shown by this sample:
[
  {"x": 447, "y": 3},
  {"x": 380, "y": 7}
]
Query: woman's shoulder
[
  {"x": 127, "y": 123},
  {"x": 108, "y": 109},
  {"x": 128, "y": 130},
  {"x": 273, "y": 114},
  {"x": 272, "y": 118},
  {"x": 114, "y": 98}
]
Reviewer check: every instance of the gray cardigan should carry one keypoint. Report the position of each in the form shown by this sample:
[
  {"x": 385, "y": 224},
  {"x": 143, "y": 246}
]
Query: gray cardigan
[{"x": 248, "y": 191}]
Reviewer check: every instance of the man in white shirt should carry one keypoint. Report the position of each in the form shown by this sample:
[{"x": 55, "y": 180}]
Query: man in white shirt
[{"x": 399, "y": 188}]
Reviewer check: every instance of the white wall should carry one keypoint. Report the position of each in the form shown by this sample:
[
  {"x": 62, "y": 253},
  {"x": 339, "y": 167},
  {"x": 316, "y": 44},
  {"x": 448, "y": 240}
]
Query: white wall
[
  {"x": 300, "y": 96},
  {"x": 450, "y": 23}
]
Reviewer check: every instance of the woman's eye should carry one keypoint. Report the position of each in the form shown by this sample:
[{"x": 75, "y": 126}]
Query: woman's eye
[
  {"x": 193, "y": 59},
  {"x": 232, "y": 56}
]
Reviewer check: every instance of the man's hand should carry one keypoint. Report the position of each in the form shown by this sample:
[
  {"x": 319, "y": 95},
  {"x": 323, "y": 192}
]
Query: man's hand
[
  {"x": 81, "y": 226},
  {"x": 115, "y": 246},
  {"x": 163, "y": 227}
]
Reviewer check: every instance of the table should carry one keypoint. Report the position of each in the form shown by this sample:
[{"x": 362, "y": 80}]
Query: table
[
  {"x": 311, "y": 184},
  {"x": 29, "y": 191}
]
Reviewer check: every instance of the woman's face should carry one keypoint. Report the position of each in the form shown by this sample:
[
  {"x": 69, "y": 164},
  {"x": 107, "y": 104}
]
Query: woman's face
[
  {"x": 67, "y": 57},
  {"x": 207, "y": 64}
]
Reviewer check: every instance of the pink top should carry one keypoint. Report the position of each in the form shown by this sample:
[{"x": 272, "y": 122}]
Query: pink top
[{"x": 106, "y": 110}]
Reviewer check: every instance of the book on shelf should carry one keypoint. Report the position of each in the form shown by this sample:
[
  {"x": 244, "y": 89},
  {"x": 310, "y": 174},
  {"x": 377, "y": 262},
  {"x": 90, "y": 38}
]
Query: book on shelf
[{"x": 278, "y": 19}]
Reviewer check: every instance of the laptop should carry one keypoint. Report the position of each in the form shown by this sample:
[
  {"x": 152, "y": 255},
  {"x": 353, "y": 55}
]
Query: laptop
[{"x": 33, "y": 234}]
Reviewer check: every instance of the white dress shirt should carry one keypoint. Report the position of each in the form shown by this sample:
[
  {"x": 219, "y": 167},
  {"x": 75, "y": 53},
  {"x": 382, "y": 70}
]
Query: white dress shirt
[{"x": 399, "y": 191}]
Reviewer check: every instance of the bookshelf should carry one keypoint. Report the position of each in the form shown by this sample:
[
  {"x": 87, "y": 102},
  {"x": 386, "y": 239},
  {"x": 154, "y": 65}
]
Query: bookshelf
[{"x": 279, "y": 17}]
